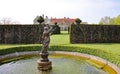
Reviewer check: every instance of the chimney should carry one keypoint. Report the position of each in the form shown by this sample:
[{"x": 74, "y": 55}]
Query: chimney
[{"x": 43, "y": 15}]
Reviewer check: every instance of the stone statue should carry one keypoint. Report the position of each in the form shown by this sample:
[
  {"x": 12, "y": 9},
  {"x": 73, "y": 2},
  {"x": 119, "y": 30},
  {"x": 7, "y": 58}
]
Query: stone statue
[
  {"x": 44, "y": 64},
  {"x": 46, "y": 38}
]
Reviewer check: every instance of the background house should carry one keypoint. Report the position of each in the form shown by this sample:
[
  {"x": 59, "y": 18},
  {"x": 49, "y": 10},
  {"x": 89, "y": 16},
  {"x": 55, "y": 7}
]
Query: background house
[{"x": 62, "y": 22}]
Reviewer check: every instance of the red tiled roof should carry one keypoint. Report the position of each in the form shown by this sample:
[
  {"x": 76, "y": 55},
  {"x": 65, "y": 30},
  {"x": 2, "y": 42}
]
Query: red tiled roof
[{"x": 62, "y": 20}]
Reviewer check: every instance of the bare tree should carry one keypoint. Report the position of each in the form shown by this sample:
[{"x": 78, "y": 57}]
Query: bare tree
[
  {"x": 7, "y": 21},
  {"x": 105, "y": 20}
]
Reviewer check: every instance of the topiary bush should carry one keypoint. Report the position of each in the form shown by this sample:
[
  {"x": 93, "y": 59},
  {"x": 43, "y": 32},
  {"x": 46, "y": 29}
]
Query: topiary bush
[
  {"x": 56, "y": 29},
  {"x": 78, "y": 21},
  {"x": 40, "y": 19}
]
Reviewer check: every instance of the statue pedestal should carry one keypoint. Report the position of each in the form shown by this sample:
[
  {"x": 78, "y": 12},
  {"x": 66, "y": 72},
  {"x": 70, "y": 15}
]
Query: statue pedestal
[{"x": 44, "y": 64}]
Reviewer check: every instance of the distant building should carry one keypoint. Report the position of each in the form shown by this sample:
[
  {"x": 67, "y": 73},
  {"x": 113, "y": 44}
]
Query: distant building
[
  {"x": 35, "y": 20},
  {"x": 62, "y": 22}
]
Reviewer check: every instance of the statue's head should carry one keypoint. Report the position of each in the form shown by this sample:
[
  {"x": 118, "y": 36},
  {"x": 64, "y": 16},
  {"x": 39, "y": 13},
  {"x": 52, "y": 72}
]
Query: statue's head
[{"x": 46, "y": 28}]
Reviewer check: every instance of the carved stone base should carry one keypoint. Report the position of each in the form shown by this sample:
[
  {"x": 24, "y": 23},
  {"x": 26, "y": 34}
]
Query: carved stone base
[
  {"x": 44, "y": 66},
  {"x": 44, "y": 57}
]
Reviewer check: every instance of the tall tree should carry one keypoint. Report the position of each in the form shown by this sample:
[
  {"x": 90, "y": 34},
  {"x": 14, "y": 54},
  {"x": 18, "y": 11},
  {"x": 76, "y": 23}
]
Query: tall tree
[
  {"x": 105, "y": 20},
  {"x": 110, "y": 21},
  {"x": 8, "y": 21},
  {"x": 117, "y": 20}
]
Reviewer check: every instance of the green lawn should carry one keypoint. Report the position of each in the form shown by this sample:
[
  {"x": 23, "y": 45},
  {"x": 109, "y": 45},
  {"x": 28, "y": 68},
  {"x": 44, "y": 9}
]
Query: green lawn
[
  {"x": 63, "y": 40},
  {"x": 108, "y": 51}
]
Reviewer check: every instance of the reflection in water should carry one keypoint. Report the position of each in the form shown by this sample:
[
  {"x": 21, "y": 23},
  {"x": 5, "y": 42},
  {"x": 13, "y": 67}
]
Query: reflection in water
[{"x": 61, "y": 65}]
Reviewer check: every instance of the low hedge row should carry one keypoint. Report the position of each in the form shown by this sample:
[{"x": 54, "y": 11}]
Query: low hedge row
[{"x": 105, "y": 55}]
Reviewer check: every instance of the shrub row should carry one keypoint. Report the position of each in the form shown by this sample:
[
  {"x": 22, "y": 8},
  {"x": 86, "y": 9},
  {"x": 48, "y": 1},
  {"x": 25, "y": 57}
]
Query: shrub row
[
  {"x": 100, "y": 53},
  {"x": 94, "y": 33},
  {"x": 20, "y": 34}
]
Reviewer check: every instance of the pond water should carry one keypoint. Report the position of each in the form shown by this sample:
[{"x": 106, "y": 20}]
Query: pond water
[{"x": 60, "y": 65}]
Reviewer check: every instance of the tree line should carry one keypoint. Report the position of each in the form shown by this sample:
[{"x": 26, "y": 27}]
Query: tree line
[
  {"x": 110, "y": 21},
  {"x": 6, "y": 20}
]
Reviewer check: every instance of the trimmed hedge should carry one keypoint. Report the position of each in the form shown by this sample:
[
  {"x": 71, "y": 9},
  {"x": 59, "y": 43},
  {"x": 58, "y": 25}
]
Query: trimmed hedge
[
  {"x": 20, "y": 34},
  {"x": 94, "y": 33},
  {"x": 56, "y": 29}
]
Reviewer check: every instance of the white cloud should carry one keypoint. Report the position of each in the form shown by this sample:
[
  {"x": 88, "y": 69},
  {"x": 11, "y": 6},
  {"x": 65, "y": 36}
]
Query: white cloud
[{"x": 88, "y": 10}]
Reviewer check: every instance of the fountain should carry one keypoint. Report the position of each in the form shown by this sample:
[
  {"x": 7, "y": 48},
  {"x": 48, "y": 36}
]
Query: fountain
[
  {"x": 44, "y": 64},
  {"x": 63, "y": 64}
]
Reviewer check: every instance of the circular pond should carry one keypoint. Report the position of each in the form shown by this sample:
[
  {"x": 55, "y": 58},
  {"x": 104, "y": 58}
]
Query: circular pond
[{"x": 60, "y": 65}]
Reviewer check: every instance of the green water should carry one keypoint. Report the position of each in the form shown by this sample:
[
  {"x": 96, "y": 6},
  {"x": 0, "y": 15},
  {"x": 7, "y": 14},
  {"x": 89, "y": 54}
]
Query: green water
[{"x": 60, "y": 65}]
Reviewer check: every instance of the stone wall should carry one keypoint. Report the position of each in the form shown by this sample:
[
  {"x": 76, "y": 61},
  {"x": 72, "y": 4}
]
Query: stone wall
[
  {"x": 20, "y": 34},
  {"x": 95, "y": 33}
]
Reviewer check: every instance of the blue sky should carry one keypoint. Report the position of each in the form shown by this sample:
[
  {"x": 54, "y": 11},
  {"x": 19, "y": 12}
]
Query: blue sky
[{"x": 90, "y": 11}]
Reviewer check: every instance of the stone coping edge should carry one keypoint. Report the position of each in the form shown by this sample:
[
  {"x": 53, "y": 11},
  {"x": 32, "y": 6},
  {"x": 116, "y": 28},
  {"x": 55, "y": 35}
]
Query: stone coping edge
[{"x": 89, "y": 57}]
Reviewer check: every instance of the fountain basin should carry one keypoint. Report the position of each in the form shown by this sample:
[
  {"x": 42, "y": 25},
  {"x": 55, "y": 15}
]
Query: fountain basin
[{"x": 105, "y": 66}]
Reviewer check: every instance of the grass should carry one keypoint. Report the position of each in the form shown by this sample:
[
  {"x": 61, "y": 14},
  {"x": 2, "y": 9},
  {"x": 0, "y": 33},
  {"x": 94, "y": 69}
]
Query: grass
[
  {"x": 63, "y": 40},
  {"x": 108, "y": 51}
]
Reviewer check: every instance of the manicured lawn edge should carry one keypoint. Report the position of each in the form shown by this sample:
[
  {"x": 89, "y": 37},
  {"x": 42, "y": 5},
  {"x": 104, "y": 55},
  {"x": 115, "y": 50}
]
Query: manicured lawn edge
[{"x": 100, "y": 53}]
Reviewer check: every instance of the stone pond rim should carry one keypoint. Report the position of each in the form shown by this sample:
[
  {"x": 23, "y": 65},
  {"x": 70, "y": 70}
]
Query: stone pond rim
[{"x": 94, "y": 60}]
